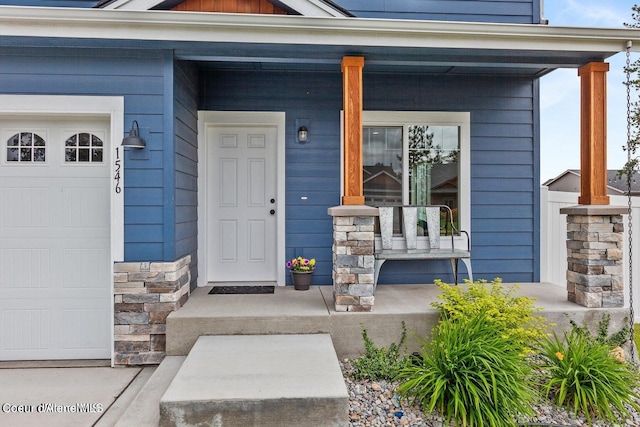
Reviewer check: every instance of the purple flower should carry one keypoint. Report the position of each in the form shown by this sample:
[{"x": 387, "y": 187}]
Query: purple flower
[{"x": 289, "y": 265}]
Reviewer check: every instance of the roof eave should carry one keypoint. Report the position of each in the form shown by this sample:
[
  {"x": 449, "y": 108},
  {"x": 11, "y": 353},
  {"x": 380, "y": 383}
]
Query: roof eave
[{"x": 247, "y": 28}]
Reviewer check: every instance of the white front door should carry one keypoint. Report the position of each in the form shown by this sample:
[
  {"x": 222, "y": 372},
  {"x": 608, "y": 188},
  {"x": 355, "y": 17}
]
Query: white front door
[
  {"x": 242, "y": 203},
  {"x": 55, "y": 272}
]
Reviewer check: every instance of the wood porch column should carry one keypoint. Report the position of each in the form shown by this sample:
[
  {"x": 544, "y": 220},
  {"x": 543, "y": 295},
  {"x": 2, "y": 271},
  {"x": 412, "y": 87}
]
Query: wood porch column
[
  {"x": 593, "y": 134},
  {"x": 352, "y": 94}
]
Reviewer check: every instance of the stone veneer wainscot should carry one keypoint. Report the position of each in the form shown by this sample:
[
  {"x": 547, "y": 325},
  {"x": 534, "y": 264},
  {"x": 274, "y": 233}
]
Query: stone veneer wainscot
[
  {"x": 353, "y": 257},
  {"x": 595, "y": 255},
  {"x": 145, "y": 294}
]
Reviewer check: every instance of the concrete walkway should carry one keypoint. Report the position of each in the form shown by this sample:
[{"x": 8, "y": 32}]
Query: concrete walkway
[{"x": 66, "y": 396}]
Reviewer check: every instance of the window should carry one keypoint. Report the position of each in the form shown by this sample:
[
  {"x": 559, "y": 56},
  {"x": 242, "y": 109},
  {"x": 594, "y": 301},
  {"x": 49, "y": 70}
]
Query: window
[
  {"x": 26, "y": 147},
  {"x": 83, "y": 148},
  {"x": 436, "y": 146}
]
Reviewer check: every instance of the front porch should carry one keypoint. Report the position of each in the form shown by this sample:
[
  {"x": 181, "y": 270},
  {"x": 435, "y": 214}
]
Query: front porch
[
  {"x": 250, "y": 326},
  {"x": 288, "y": 311}
]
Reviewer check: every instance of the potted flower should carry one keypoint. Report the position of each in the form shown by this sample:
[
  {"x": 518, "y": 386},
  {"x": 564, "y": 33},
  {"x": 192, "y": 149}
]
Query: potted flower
[{"x": 301, "y": 272}]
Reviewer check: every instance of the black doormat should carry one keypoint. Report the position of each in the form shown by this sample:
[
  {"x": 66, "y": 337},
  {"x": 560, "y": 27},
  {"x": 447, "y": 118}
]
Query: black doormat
[{"x": 242, "y": 290}]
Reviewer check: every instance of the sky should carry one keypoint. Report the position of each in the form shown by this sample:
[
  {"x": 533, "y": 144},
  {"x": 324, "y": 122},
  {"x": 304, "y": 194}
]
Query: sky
[{"x": 560, "y": 90}]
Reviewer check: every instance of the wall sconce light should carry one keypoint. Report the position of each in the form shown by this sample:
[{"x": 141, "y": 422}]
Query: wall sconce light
[
  {"x": 134, "y": 140},
  {"x": 302, "y": 136}
]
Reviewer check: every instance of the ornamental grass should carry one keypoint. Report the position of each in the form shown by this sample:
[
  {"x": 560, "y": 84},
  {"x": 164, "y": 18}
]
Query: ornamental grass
[
  {"x": 582, "y": 376},
  {"x": 472, "y": 374}
]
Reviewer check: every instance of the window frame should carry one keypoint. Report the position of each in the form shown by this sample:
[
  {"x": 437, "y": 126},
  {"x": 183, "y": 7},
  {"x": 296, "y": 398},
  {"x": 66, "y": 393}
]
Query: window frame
[
  {"x": 92, "y": 133},
  {"x": 375, "y": 118},
  {"x": 10, "y": 133}
]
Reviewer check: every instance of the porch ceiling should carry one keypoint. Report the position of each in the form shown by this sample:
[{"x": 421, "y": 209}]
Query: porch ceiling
[
  {"x": 386, "y": 59},
  {"x": 312, "y": 43}
]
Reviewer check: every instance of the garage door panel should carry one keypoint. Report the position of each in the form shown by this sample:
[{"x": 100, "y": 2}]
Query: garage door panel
[
  {"x": 85, "y": 268},
  {"x": 55, "y": 272},
  {"x": 76, "y": 328},
  {"x": 61, "y": 297},
  {"x": 85, "y": 207},
  {"x": 25, "y": 207},
  {"x": 76, "y": 324},
  {"x": 59, "y": 265},
  {"x": 25, "y": 268},
  {"x": 25, "y": 329}
]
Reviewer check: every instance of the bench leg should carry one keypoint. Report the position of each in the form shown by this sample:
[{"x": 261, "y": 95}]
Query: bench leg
[
  {"x": 454, "y": 268},
  {"x": 467, "y": 263},
  {"x": 376, "y": 272}
]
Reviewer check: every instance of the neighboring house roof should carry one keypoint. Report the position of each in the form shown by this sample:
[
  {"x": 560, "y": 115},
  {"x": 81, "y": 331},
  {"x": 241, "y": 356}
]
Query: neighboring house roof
[
  {"x": 376, "y": 172},
  {"x": 569, "y": 181},
  {"x": 444, "y": 175},
  {"x": 295, "y": 7}
]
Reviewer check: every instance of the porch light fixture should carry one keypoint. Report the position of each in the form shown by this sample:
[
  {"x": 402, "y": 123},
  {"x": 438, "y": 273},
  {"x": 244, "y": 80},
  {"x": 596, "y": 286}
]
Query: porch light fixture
[
  {"x": 303, "y": 134},
  {"x": 134, "y": 140}
]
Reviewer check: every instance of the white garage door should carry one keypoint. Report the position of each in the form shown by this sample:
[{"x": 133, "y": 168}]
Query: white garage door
[{"x": 54, "y": 239}]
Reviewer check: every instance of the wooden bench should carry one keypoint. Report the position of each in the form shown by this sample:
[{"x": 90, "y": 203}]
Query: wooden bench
[{"x": 429, "y": 216}]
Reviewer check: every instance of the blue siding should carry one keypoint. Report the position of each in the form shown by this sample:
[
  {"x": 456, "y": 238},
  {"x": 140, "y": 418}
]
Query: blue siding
[
  {"x": 139, "y": 77},
  {"x": 505, "y": 11},
  {"x": 504, "y": 210},
  {"x": 504, "y": 203},
  {"x": 185, "y": 127},
  {"x": 313, "y": 169}
]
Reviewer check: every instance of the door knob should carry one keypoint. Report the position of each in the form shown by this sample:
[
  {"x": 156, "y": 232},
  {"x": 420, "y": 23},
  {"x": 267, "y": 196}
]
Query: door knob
[
  {"x": 273, "y": 200},
  {"x": 272, "y": 211}
]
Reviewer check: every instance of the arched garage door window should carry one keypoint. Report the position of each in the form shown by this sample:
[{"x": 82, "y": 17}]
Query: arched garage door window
[
  {"x": 83, "y": 148},
  {"x": 26, "y": 147}
]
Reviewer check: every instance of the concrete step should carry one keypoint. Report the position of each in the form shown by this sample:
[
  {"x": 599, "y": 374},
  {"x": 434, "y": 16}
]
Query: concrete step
[
  {"x": 258, "y": 380},
  {"x": 288, "y": 311}
]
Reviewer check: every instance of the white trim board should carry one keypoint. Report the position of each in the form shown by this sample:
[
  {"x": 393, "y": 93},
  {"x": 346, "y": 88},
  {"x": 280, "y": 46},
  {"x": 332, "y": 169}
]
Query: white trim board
[{"x": 240, "y": 118}]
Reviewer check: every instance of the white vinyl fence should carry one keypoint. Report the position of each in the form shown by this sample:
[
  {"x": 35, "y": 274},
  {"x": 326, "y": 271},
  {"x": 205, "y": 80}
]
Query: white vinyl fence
[{"x": 553, "y": 235}]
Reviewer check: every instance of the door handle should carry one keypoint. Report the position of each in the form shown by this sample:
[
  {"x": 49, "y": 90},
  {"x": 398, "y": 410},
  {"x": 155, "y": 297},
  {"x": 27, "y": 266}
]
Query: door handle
[
  {"x": 272, "y": 211},
  {"x": 272, "y": 200}
]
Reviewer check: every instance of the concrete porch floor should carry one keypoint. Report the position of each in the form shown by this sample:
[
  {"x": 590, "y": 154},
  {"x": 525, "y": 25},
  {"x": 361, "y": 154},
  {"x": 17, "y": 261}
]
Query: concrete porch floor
[{"x": 288, "y": 311}]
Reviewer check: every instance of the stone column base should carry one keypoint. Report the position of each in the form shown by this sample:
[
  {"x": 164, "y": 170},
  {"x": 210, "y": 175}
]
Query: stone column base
[
  {"x": 353, "y": 260},
  {"x": 145, "y": 294},
  {"x": 595, "y": 255}
]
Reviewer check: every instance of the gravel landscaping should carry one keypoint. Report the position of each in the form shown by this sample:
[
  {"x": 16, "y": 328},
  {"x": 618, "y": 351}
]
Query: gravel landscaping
[{"x": 374, "y": 403}]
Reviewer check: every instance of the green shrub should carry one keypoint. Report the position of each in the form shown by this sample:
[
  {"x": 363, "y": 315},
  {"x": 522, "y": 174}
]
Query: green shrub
[
  {"x": 582, "y": 376},
  {"x": 471, "y": 373},
  {"x": 380, "y": 363},
  {"x": 514, "y": 316}
]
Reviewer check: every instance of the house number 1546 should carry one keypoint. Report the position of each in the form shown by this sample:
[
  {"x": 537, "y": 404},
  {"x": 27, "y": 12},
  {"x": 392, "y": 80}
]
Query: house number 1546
[{"x": 118, "y": 166}]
